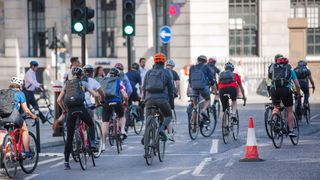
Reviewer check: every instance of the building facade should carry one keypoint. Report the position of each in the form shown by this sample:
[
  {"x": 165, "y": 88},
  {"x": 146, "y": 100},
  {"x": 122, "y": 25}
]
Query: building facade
[{"x": 249, "y": 31}]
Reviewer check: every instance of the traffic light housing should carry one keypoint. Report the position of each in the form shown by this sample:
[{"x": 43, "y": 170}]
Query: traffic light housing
[
  {"x": 81, "y": 18},
  {"x": 128, "y": 17}
]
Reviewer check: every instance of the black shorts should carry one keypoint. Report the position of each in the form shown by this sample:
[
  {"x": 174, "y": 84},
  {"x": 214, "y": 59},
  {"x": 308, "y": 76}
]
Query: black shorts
[
  {"x": 224, "y": 100},
  {"x": 281, "y": 94},
  {"x": 107, "y": 111}
]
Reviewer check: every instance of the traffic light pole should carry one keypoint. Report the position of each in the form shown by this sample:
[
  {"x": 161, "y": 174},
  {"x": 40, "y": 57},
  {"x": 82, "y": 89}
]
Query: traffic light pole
[
  {"x": 129, "y": 52},
  {"x": 83, "y": 49}
]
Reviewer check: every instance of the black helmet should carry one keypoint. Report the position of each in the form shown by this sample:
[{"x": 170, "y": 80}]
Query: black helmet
[
  {"x": 229, "y": 66},
  {"x": 114, "y": 72},
  {"x": 135, "y": 66},
  {"x": 202, "y": 58},
  {"x": 88, "y": 68},
  {"x": 77, "y": 71},
  {"x": 302, "y": 63}
]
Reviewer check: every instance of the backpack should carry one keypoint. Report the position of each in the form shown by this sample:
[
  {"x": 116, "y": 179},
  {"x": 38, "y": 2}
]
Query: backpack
[
  {"x": 280, "y": 74},
  {"x": 226, "y": 77},
  {"x": 175, "y": 93},
  {"x": 198, "y": 80},
  {"x": 155, "y": 81},
  {"x": 74, "y": 93},
  {"x": 7, "y": 101},
  {"x": 111, "y": 86},
  {"x": 302, "y": 72}
]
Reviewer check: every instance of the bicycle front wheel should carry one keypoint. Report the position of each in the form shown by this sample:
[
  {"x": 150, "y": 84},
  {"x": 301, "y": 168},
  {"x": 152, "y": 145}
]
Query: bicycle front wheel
[
  {"x": 193, "y": 127},
  {"x": 137, "y": 124},
  {"x": 295, "y": 140},
  {"x": 235, "y": 127},
  {"x": 207, "y": 128},
  {"x": 8, "y": 156},
  {"x": 98, "y": 139},
  {"x": 277, "y": 127},
  {"x": 267, "y": 121},
  {"x": 29, "y": 164}
]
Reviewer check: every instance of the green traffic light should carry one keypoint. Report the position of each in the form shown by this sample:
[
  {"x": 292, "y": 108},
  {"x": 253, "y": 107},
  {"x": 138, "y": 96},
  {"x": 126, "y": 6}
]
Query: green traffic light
[
  {"x": 78, "y": 27},
  {"x": 128, "y": 30}
]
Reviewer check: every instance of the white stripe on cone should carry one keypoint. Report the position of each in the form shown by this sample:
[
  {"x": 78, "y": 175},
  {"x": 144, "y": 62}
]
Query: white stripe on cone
[{"x": 251, "y": 139}]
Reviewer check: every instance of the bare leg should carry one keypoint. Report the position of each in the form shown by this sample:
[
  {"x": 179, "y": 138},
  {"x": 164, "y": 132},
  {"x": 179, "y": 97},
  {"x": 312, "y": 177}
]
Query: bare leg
[
  {"x": 104, "y": 128},
  {"x": 290, "y": 117},
  {"x": 234, "y": 107},
  {"x": 122, "y": 124},
  {"x": 25, "y": 136}
]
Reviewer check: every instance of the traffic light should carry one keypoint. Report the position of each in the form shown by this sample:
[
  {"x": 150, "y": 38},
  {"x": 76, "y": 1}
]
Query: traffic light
[
  {"x": 128, "y": 17},
  {"x": 80, "y": 18}
]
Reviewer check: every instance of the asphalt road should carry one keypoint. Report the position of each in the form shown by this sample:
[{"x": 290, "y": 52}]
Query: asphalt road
[{"x": 204, "y": 158}]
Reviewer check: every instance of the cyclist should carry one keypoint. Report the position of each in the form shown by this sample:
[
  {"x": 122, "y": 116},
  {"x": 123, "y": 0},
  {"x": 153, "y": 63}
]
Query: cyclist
[
  {"x": 269, "y": 83},
  {"x": 282, "y": 76},
  {"x": 200, "y": 80},
  {"x": 31, "y": 84},
  {"x": 212, "y": 66},
  {"x": 304, "y": 76},
  {"x": 135, "y": 80},
  {"x": 157, "y": 90},
  {"x": 124, "y": 78},
  {"x": 229, "y": 83},
  {"x": 115, "y": 92},
  {"x": 74, "y": 62},
  {"x": 71, "y": 99},
  {"x": 15, "y": 95}
]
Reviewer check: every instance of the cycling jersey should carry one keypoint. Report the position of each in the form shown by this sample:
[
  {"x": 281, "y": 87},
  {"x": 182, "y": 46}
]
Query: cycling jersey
[{"x": 234, "y": 84}]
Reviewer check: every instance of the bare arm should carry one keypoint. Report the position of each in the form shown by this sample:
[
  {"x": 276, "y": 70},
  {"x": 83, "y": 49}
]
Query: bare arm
[
  {"x": 27, "y": 111},
  {"x": 312, "y": 82},
  {"x": 93, "y": 93},
  {"x": 59, "y": 101},
  {"x": 101, "y": 93},
  {"x": 296, "y": 83}
]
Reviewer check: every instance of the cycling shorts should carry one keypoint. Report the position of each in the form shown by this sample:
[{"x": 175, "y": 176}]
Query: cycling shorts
[
  {"x": 204, "y": 93},
  {"x": 107, "y": 111},
  {"x": 281, "y": 94},
  {"x": 224, "y": 100}
]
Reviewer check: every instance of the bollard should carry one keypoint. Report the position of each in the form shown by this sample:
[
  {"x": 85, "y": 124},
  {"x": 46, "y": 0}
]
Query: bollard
[{"x": 58, "y": 130}]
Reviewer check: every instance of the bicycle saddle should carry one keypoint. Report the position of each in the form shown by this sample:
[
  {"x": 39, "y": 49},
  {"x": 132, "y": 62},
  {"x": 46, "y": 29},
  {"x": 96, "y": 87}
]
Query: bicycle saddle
[{"x": 227, "y": 95}]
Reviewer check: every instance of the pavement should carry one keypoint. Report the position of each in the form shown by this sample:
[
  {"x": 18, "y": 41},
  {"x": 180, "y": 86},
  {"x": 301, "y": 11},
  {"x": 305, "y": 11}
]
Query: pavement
[{"x": 203, "y": 158}]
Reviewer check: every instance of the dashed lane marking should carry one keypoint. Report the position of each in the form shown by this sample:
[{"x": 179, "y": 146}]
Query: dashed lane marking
[
  {"x": 230, "y": 163},
  {"x": 51, "y": 154},
  {"x": 214, "y": 146},
  {"x": 179, "y": 174},
  {"x": 199, "y": 168},
  {"x": 30, "y": 177},
  {"x": 218, "y": 177},
  {"x": 141, "y": 154},
  {"x": 315, "y": 116}
]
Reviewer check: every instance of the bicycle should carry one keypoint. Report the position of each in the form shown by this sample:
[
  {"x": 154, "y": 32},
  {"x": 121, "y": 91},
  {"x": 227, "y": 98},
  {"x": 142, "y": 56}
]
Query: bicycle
[
  {"x": 153, "y": 142},
  {"x": 302, "y": 110},
  {"x": 267, "y": 117},
  {"x": 114, "y": 131},
  {"x": 81, "y": 144},
  {"x": 12, "y": 151},
  {"x": 206, "y": 127},
  {"x": 230, "y": 124},
  {"x": 44, "y": 103},
  {"x": 135, "y": 118},
  {"x": 279, "y": 128}
]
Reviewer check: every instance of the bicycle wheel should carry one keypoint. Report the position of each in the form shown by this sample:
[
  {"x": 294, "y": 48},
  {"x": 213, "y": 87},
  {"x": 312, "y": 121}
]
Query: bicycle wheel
[
  {"x": 193, "y": 127},
  {"x": 161, "y": 148},
  {"x": 50, "y": 116},
  {"x": 267, "y": 121},
  {"x": 235, "y": 127},
  {"x": 81, "y": 151},
  {"x": 225, "y": 127},
  {"x": 295, "y": 140},
  {"x": 149, "y": 144},
  {"x": 28, "y": 165},
  {"x": 111, "y": 134},
  {"x": 117, "y": 136},
  {"x": 137, "y": 124},
  {"x": 98, "y": 137},
  {"x": 217, "y": 108},
  {"x": 8, "y": 156},
  {"x": 307, "y": 114},
  {"x": 276, "y": 130},
  {"x": 207, "y": 129}
]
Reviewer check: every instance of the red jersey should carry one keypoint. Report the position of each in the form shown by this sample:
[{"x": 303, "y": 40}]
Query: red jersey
[{"x": 235, "y": 84}]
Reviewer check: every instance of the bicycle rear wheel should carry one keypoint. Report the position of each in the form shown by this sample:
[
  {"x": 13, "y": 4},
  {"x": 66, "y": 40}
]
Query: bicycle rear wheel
[
  {"x": 137, "y": 124},
  {"x": 225, "y": 127},
  {"x": 235, "y": 127},
  {"x": 267, "y": 121},
  {"x": 149, "y": 144},
  {"x": 277, "y": 130},
  {"x": 111, "y": 137},
  {"x": 8, "y": 156},
  {"x": 307, "y": 114},
  {"x": 295, "y": 140},
  {"x": 81, "y": 150},
  {"x": 161, "y": 148},
  {"x": 98, "y": 139},
  {"x": 28, "y": 165},
  {"x": 117, "y": 136},
  {"x": 193, "y": 127},
  {"x": 207, "y": 129}
]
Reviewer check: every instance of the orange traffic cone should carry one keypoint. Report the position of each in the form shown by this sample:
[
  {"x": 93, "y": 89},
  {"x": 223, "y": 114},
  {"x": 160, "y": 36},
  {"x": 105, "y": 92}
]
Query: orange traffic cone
[{"x": 252, "y": 154}]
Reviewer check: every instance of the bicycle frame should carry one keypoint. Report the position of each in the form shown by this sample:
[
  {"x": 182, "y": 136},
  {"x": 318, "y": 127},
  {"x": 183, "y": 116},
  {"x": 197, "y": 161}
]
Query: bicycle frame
[{"x": 14, "y": 132}]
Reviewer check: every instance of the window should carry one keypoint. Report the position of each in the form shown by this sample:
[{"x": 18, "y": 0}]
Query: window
[
  {"x": 243, "y": 27},
  {"x": 36, "y": 28},
  {"x": 106, "y": 28},
  {"x": 311, "y": 10}
]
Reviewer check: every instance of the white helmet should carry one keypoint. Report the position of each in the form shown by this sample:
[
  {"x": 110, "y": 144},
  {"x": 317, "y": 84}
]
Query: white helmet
[
  {"x": 171, "y": 63},
  {"x": 16, "y": 80}
]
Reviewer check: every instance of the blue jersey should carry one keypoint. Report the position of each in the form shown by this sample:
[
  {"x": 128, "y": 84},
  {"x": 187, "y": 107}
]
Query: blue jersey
[{"x": 19, "y": 99}]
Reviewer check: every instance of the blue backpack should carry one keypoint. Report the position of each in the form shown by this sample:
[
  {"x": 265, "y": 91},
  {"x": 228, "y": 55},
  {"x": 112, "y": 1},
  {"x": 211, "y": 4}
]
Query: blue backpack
[{"x": 198, "y": 79}]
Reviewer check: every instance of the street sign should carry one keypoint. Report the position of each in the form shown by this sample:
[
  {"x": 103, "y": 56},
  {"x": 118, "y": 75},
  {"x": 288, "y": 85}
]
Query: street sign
[{"x": 165, "y": 34}]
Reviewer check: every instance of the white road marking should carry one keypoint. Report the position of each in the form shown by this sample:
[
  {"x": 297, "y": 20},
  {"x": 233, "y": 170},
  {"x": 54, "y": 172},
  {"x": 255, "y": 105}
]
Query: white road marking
[
  {"x": 218, "y": 177},
  {"x": 30, "y": 177},
  {"x": 214, "y": 146},
  {"x": 179, "y": 174},
  {"x": 135, "y": 155},
  {"x": 194, "y": 143},
  {"x": 57, "y": 164},
  {"x": 230, "y": 163},
  {"x": 47, "y": 161},
  {"x": 199, "y": 168},
  {"x": 315, "y": 116},
  {"x": 51, "y": 154}
]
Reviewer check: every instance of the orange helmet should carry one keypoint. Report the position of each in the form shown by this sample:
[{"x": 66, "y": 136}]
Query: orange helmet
[{"x": 159, "y": 58}]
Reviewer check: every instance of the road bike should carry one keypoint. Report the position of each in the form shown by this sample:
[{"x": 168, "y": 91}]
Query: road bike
[
  {"x": 230, "y": 124},
  {"x": 135, "y": 119},
  {"x": 13, "y": 152},
  {"x": 280, "y": 128},
  {"x": 205, "y": 126},
  {"x": 45, "y": 105},
  {"x": 114, "y": 132},
  {"x": 267, "y": 118},
  {"x": 154, "y": 143}
]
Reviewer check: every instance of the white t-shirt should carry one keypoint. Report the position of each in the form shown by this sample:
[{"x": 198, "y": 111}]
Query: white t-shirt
[{"x": 94, "y": 85}]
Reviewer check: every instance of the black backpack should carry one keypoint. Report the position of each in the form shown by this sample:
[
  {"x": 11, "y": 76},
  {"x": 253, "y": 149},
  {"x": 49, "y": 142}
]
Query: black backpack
[
  {"x": 226, "y": 77},
  {"x": 7, "y": 101},
  {"x": 175, "y": 93},
  {"x": 302, "y": 72},
  {"x": 74, "y": 93},
  {"x": 110, "y": 86},
  {"x": 198, "y": 79},
  {"x": 155, "y": 81},
  {"x": 280, "y": 74}
]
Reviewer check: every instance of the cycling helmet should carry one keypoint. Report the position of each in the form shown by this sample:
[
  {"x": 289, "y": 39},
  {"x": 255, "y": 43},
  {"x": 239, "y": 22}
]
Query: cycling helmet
[
  {"x": 277, "y": 57},
  {"x": 202, "y": 58},
  {"x": 119, "y": 66},
  {"x": 88, "y": 68},
  {"x": 135, "y": 66},
  {"x": 114, "y": 72},
  {"x": 212, "y": 60},
  {"x": 229, "y": 66},
  {"x": 77, "y": 71},
  {"x": 282, "y": 60},
  {"x": 171, "y": 63},
  {"x": 16, "y": 80},
  {"x": 302, "y": 63},
  {"x": 34, "y": 63},
  {"x": 159, "y": 58}
]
